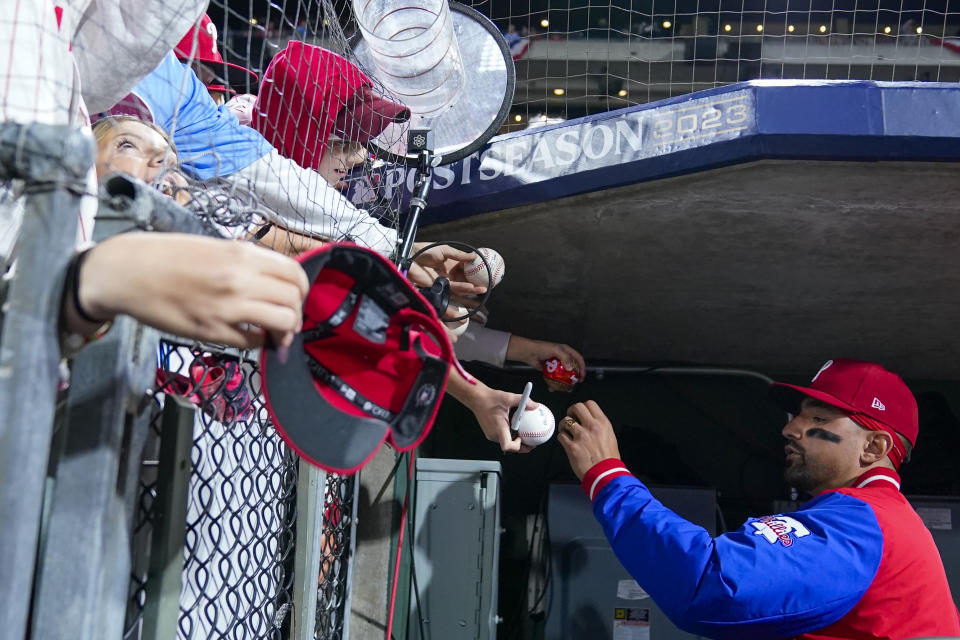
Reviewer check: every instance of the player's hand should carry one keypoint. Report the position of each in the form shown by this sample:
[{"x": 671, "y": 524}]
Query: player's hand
[
  {"x": 202, "y": 288},
  {"x": 536, "y": 352},
  {"x": 587, "y": 436}
]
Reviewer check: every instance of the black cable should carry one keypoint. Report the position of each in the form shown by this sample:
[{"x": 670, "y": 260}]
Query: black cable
[
  {"x": 462, "y": 246},
  {"x": 413, "y": 575},
  {"x": 522, "y": 608},
  {"x": 548, "y": 573},
  {"x": 393, "y": 472}
]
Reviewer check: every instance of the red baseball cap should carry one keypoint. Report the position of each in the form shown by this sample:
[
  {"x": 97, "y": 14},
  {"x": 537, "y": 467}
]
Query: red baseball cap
[
  {"x": 366, "y": 115},
  {"x": 370, "y": 364},
  {"x": 308, "y": 94},
  {"x": 200, "y": 44},
  {"x": 874, "y": 398}
]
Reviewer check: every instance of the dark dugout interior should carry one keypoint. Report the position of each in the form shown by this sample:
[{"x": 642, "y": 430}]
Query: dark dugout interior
[{"x": 674, "y": 428}]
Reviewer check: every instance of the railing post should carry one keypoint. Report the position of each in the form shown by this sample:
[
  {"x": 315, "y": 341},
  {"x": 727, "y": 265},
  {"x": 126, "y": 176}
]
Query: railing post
[
  {"x": 311, "y": 485},
  {"x": 84, "y": 566},
  {"x": 162, "y": 603},
  {"x": 52, "y": 161}
]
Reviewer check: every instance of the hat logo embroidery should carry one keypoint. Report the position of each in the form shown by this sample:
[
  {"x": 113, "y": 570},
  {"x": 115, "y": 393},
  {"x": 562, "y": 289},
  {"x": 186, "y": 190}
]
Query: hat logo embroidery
[
  {"x": 426, "y": 394},
  {"x": 825, "y": 366},
  {"x": 212, "y": 32},
  {"x": 878, "y": 405}
]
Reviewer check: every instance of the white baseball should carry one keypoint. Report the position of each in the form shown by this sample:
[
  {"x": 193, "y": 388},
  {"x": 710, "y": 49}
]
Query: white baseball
[
  {"x": 536, "y": 426},
  {"x": 475, "y": 272},
  {"x": 457, "y": 329}
]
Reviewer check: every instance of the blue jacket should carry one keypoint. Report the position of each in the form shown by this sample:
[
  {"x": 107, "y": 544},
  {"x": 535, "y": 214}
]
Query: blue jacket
[{"x": 781, "y": 576}]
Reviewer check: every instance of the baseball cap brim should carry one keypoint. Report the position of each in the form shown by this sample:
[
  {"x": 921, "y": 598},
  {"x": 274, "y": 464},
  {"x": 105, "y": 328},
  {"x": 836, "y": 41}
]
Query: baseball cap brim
[
  {"x": 346, "y": 442},
  {"x": 367, "y": 116},
  {"x": 789, "y": 397}
]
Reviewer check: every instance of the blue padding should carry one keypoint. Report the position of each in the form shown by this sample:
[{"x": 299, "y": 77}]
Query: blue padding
[{"x": 804, "y": 120}]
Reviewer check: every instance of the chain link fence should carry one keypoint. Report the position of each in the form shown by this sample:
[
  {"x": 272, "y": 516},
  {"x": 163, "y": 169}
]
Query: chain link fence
[
  {"x": 241, "y": 510},
  {"x": 246, "y": 513}
]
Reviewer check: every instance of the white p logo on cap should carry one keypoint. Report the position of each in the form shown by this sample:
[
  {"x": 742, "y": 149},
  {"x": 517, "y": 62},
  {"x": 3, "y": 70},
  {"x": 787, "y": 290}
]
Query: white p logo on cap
[
  {"x": 825, "y": 366},
  {"x": 212, "y": 32}
]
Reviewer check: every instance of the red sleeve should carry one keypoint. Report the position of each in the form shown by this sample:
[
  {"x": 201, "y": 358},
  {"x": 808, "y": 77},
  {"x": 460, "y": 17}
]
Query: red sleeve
[{"x": 601, "y": 474}]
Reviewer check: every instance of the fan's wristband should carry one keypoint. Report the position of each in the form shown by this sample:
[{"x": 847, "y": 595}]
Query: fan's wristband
[
  {"x": 72, "y": 281},
  {"x": 71, "y": 343},
  {"x": 601, "y": 474},
  {"x": 262, "y": 231}
]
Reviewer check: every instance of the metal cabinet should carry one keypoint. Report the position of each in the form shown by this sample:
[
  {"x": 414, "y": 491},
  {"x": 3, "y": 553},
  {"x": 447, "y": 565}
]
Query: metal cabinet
[
  {"x": 456, "y": 540},
  {"x": 591, "y": 595}
]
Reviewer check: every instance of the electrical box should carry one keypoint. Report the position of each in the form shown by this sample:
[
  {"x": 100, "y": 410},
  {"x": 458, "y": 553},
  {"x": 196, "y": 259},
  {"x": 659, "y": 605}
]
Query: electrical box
[
  {"x": 591, "y": 595},
  {"x": 456, "y": 538},
  {"x": 941, "y": 514}
]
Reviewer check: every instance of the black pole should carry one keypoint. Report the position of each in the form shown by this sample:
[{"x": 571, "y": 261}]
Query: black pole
[{"x": 419, "y": 141}]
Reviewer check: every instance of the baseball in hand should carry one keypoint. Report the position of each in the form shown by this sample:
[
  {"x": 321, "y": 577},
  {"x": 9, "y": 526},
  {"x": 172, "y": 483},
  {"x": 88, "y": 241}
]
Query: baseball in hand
[
  {"x": 536, "y": 426},
  {"x": 457, "y": 328},
  {"x": 476, "y": 272}
]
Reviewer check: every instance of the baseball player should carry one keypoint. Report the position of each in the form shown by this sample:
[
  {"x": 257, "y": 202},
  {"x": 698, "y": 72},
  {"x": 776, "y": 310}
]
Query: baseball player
[{"x": 854, "y": 562}]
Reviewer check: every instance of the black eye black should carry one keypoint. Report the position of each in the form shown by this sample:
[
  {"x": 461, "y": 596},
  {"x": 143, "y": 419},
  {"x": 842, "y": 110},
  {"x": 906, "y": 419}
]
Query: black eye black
[{"x": 823, "y": 434}]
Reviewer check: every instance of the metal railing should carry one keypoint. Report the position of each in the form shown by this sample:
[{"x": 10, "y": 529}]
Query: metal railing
[{"x": 152, "y": 497}]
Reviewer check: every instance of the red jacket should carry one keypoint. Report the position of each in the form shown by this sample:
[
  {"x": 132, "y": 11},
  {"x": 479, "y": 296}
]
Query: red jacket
[
  {"x": 909, "y": 596},
  {"x": 852, "y": 564}
]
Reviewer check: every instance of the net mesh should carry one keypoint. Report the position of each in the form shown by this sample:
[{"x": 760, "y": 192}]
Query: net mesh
[
  {"x": 581, "y": 57},
  {"x": 293, "y": 133},
  {"x": 274, "y": 165},
  {"x": 241, "y": 510}
]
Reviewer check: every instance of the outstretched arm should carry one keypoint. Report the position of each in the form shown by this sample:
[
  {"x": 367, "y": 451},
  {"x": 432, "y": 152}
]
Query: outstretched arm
[
  {"x": 302, "y": 201},
  {"x": 121, "y": 41},
  {"x": 491, "y": 407},
  {"x": 776, "y": 577},
  {"x": 203, "y": 288},
  {"x": 536, "y": 352}
]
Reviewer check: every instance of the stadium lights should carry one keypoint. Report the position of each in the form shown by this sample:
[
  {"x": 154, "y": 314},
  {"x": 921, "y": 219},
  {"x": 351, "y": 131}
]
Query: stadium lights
[
  {"x": 518, "y": 118},
  {"x": 253, "y": 21},
  {"x": 667, "y": 24},
  {"x": 760, "y": 28},
  {"x": 886, "y": 29},
  {"x": 558, "y": 92},
  {"x": 790, "y": 28},
  {"x": 622, "y": 93},
  {"x": 544, "y": 23},
  {"x": 919, "y": 29},
  {"x": 823, "y": 28},
  {"x": 326, "y": 22},
  {"x": 727, "y": 28}
]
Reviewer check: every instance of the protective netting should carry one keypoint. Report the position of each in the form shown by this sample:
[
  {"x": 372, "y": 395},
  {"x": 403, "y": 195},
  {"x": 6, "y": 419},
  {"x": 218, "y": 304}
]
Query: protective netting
[
  {"x": 263, "y": 151},
  {"x": 338, "y": 529},
  {"x": 241, "y": 509},
  {"x": 298, "y": 114},
  {"x": 577, "y": 57}
]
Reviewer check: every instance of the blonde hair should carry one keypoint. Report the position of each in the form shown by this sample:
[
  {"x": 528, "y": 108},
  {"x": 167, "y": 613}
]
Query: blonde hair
[{"x": 104, "y": 126}]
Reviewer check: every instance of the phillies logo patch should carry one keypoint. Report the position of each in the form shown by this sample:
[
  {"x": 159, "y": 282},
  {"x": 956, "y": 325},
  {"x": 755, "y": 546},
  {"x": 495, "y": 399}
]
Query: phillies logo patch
[{"x": 778, "y": 529}]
